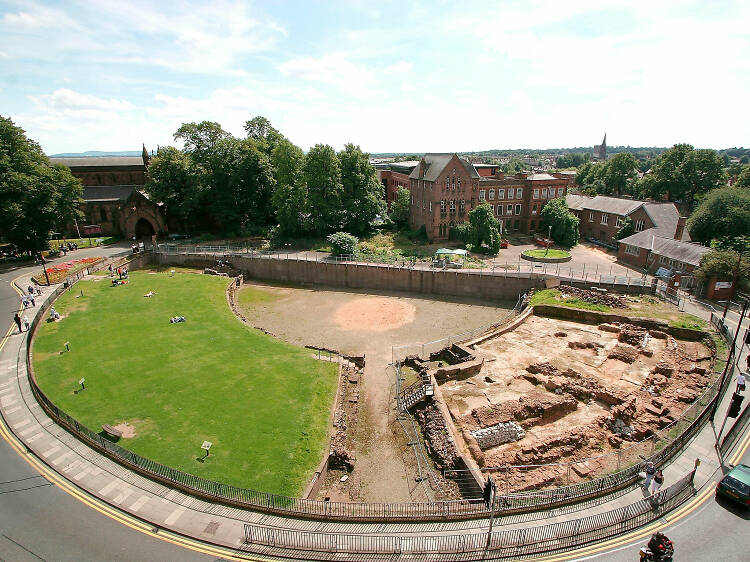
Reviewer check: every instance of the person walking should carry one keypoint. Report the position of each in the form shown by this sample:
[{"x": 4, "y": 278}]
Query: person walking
[
  {"x": 26, "y": 323},
  {"x": 17, "y": 319},
  {"x": 658, "y": 481},
  {"x": 741, "y": 382},
  {"x": 32, "y": 299},
  {"x": 31, "y": 289},
  {"x": 650, "y": 471}
]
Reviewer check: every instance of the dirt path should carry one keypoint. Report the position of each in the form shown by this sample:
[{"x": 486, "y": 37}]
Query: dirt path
[{"x": 357, "y": 323}]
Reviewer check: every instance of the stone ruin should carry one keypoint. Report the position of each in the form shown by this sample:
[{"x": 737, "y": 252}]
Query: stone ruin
[
  {"x": 498, "y": 434},
  {"x": 438, "y": 439}
]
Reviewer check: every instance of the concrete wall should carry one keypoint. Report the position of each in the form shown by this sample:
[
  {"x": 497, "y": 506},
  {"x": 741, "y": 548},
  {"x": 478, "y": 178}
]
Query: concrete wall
[{"x": 370, "y": 276}]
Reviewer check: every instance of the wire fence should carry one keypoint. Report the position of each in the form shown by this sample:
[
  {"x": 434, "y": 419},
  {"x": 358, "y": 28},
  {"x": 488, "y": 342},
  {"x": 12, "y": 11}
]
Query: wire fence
[
  {"x": 305, "y": 508},
  {"x": 475, "y": 544}
]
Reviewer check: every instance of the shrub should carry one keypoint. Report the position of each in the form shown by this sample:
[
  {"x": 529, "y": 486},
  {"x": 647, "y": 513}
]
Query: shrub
[{"x": 342, "y": 243}]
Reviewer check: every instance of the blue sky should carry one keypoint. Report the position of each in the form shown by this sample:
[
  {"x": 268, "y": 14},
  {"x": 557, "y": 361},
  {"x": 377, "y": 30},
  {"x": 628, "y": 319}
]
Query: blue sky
[{"x": 389, "y": 76}]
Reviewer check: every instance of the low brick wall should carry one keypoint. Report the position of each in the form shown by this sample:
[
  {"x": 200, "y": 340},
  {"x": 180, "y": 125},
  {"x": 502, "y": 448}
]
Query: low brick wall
[{"x": 459, "y": 371}]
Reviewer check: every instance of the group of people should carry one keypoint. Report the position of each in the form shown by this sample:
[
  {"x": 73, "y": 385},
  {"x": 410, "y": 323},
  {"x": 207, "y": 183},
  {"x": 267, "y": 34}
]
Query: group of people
[
  {"x": 68, "y": 247},
  {"x": 27, "y": 300},
  {"x": 654, "y": 478}
]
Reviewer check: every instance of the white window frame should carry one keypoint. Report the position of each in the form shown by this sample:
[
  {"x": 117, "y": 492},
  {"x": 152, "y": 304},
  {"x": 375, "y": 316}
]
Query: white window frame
[
  {"x": 518, "y": 208},
  {"x": 481, "y": 194},
  {"x": 491, "y": 195},
  {"x": 459, "y": 183},
  {"x": 452, "y": 204},
  {"x": 560, "y": 191},
  {"x": 639, "y": 224},
  {"x": 430, "y": 205},
  {"x": 605, "y": 219},
  {"x": 544, "y": 193},
  {"x": 519, "y": 193},
  {"x": 619, "y": 221},
  {"x": 500, "y": 194},
  {"x": 509, "y": 209},
  {"x": 633, "y": 250},
  {"x": 442, "y": 205},
  {"x": 536, "y": 193},
  {"x": 511, "y": 193},
  {"x": 462, "y": 205},
  {"x": 591, "y": 216}
]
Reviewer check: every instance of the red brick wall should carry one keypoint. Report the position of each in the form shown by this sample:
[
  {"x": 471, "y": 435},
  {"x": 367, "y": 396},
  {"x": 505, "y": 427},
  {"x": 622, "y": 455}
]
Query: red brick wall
[{"x": 392, "y": 181}]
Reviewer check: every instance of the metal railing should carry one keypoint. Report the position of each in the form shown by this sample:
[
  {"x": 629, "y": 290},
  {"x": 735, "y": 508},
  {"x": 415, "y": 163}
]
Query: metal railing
[
  {"x": 474, "y": 544},
  {"x": 305, "y": 508}
]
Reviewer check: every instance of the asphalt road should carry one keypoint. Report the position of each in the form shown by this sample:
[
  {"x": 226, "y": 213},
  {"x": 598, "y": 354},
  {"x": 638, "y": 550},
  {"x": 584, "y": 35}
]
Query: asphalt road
[{"x": 39, "y": 521}]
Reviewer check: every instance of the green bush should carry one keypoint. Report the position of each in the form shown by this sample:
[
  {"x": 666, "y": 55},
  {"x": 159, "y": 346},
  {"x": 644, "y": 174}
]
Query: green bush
[{"x": 342, "y": 243}]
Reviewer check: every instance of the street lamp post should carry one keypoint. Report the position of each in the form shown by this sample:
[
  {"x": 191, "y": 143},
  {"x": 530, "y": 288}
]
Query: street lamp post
[{"x": 549, "y": 239}]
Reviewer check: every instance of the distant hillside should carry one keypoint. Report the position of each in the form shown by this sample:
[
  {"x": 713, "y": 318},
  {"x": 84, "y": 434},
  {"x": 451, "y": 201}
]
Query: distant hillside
[{"x": 96, "y": 153}]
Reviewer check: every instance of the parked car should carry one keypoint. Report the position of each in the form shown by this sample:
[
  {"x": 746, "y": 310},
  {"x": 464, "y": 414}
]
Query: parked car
[{"x": 736, "y": 485}]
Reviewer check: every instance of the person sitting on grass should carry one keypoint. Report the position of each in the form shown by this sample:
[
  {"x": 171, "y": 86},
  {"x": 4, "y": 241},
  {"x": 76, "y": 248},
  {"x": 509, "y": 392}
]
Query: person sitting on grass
[
  {"x": 176, "y": 319},
  {"x": 149, "y": 294},
  {"x": 53, "y": 314}
]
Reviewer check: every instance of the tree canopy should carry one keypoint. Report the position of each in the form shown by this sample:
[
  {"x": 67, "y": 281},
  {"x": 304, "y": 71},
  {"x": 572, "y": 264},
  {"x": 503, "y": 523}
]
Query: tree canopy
[
  {"x": 683, "y": 174},
  {"x": 722, "y": 265},
  {"x": 564, "y": 223},
  {"x": 481, "y": 232},
  {"x": 363, "y": 197},
  {"x": 401, "y": 207},
  {"x": 723, "y": 212},
  {"x": 35, "y": 198}
]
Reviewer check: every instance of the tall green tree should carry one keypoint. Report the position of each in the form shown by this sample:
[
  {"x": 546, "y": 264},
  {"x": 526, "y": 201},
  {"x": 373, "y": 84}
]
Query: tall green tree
[
  {"x": 322, "y": 174},
  {"x": 626, "y": 229},
  {"x": 723, "y": 212},
  {"x": 35, "y": 198},
  {"x": 251, "y": 186},
  {"x": 401, "y": 207},
  {"x": 620, "y": 173},
  {"x": 173, "y": 180},
  {"x": 564, "y": 223},
  {"x": 743, "y": 178},
  {"x": 261, "y": 131},
  {"x": 724, "y": 265},
  {"x": 290, "y": 201},
  {"x": 484, "y": 233},
  {"x": 363, "y": 198},
  {"x": 683, "y": 174}
]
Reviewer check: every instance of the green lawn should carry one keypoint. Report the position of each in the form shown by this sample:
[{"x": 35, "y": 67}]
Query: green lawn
[
  {"x": 263, "y": 403},
  {"x": 554, "y": 297},
  {"x": 551, "y": 253},
  {"x": 84, "y": 242}
]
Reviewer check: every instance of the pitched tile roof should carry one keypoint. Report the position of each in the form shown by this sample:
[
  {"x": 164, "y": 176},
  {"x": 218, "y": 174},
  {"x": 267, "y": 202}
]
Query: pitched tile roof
[
  {"x": 436, "y": 163},
  {"x": 576, "y": 202},
  {"x": 679, "y": 250},
  {"x": 107, "y": 193},
  {"x": 665, "y": 217}
]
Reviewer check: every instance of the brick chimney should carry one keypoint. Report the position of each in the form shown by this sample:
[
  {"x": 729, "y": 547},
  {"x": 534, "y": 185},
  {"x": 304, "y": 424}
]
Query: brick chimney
[{"x": 680, "y": 228}]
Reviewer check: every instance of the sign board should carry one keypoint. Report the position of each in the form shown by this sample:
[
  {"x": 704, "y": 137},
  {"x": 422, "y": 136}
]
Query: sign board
[
  {"x": 206, "y": 445},
  {"x": 723, "y": 285}
]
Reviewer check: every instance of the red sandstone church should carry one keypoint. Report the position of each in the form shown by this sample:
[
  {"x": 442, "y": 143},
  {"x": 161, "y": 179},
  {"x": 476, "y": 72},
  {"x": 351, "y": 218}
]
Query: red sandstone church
[{"x": 113, "y": 195}]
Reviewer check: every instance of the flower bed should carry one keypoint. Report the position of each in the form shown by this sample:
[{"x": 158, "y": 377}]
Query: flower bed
[{"x": 58, "y": 272}]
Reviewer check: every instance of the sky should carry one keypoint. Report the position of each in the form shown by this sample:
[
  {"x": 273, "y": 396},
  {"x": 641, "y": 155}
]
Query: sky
[{"x": 388, "y": 76}]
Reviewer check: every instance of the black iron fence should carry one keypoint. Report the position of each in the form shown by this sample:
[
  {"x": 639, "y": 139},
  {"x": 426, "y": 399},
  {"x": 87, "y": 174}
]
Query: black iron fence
[
  {"x": 305, "y": 508},
  {"x": 501, "y": 544}
]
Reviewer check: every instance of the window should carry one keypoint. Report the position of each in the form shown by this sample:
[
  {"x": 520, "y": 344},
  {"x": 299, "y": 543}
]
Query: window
[
  {"x": 459, "y": 183},
  {"x": 492, "y": 195},
  {"x": 591, "y": 216},
  {"x": 462, "y": 205},
  {"x": 662, "y": 259},
  {"x": 452, "y": 204},
  {"x": 639, "y": 225},
  {"x": 519, "y": 193},
  {"x": 454, "y": 182},
  {"x": 447, "y": 183},
  {"x": 605, "y": 218},
  {"x": 442, "y": 205},
  {"x": 501, "y": 194},
  {"x": 634, "y": 250},
  {"x": 518, "y": 209},
  {"x": 560, "y": 191},
  {"x": 499, "y": 210},
  {"x": 533, "y": 210},
  {"x": 412, "y": 200},
  {"x": 536, "y": 194},
  {"x": 544, "y": 193},
  {"x": 619, "y": 221},
  {"x": 509, "y": 211},
  {"x": 430, "y": 206},
  {"x": 492, "y": 209},
  {"x": 104, "y": 214},
  {"x": 481, "y": 194},
  {"x": 510, "y": 193}
]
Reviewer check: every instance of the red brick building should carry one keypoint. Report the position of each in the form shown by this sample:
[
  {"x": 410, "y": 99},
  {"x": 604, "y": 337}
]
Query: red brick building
[
  {"x": 393, "y": 176},
  {"x": 113, "y": 195},
  {"x": 445, "y": 187}
]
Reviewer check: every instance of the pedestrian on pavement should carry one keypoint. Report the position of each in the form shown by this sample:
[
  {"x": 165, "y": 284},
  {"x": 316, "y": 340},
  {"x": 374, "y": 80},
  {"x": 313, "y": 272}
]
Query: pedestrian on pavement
[
  {"x": 31, "y": 289},
  {"x": 650, "y": 471},
  {"x": 658, "y": 481},
  {"x": 38, "y": 292},
  {"x": 26, "y": 323},
  {"x": 17, "y": 318},
  {"x": 741, "y": 382},
  {"x": 32, "y": 300},
  {"x": 24, "y": 302}
]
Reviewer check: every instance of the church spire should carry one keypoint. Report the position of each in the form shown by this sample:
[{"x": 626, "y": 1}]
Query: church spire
[{"x": 145, "y": 155}]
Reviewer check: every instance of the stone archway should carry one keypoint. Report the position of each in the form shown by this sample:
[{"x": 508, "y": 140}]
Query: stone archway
[{"x": 144, "y": 230}]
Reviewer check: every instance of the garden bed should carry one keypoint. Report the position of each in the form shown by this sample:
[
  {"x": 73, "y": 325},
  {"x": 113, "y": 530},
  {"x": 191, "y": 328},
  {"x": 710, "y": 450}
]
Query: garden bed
[{"x": 58, "y": 272}]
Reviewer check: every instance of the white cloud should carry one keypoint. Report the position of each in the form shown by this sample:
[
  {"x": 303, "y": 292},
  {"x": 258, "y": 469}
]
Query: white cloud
[
  {"x": 334, "y": 69},
  {"x": 402, "y": 68}
]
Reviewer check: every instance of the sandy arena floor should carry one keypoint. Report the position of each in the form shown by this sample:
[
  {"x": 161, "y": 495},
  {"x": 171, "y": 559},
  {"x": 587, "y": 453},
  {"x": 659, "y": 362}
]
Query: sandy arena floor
[{"x": 363, "y": 323}]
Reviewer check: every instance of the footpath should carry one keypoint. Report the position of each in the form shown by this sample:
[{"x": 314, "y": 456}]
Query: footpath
[{"x": 27, "y": 426}]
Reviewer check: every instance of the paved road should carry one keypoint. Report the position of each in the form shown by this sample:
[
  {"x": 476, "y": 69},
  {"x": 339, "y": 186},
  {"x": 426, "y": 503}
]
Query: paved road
[{"x": 39, "y": 521}]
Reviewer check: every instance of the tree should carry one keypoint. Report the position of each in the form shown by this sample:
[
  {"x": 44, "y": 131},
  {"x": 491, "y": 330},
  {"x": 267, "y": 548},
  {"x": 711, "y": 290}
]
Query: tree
[
  {"x": 251, "y": 186},
  {"x": 572, "y": 160},
  {"x": 35, "y": 198},
  {"x": 564, "y": 224},
  {"x": 290, "y": 201},
  {"x": 342, "y": 243},
  {"x": 620, "y": 172},
  {"x": 172, "y": 180},
  {"x": 722, "y": 264},
  {"x": 322, "y": 173},
  {"x": 626, "y": 229},
  {"x": 743, "y": 178},
  {"x": 683, "y": 173},
  {"x": 363, "y": 198},
  {"x": 484, "y": 233},
  {"x": 724, "y": 212},
  {"x": 401, "y": 207},
  {"x": 260, "y": 130}
]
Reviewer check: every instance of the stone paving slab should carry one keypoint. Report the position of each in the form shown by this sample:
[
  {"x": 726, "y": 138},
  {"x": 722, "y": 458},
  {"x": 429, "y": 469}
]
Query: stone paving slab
[{"x": 224, "y": 525}]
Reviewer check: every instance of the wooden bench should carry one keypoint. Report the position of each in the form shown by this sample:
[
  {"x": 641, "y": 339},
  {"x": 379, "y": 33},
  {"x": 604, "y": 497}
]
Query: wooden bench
[{"x": 109, "y": 430}]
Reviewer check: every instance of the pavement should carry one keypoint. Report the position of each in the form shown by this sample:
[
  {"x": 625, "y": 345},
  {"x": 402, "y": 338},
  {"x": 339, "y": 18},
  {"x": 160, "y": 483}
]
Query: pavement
[{"x": 219, "y": 530}]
